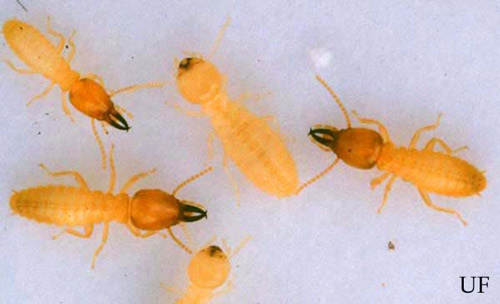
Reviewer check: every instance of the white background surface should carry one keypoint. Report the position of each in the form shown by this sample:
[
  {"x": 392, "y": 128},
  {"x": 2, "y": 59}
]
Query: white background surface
[{"x": 401, "y": 62}]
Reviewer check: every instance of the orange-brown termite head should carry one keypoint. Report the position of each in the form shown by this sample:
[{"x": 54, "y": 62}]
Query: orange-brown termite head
[
  {"x": 91, "y": 98},
  {"x": 357, "y": 147},
  {"x": 154, "y": 209},
  {"x": 209, "y": 268},
  {"x": 198, "y": 80}
]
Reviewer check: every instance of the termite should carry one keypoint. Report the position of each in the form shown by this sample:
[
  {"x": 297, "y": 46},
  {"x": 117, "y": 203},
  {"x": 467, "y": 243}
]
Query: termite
[
  {"x": 86, "y": 94},
  {"x": 428, "y": 170},
  {"x": 257, "y": 149},
  {"x": 149, "y": 209},
  {"x": 208, "y": 270}
]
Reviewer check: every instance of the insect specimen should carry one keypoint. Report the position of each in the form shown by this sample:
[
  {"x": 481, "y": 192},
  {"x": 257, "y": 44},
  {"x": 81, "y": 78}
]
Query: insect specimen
[
  {"x": 149, "y": 209},
  {"x": 87, "y": 93},
  {"x": 208, "y": 270},
  {"x": 391, "y": 246},
  {"x": 430, "y": 171},
  {"x": 257, "y": 149}
]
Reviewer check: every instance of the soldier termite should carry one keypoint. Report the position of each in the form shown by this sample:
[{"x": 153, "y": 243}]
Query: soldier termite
[
  {"x": 428, "y": 170},
  {"x": 149, "y": 209},
  {"x": 87, "y": 93}
]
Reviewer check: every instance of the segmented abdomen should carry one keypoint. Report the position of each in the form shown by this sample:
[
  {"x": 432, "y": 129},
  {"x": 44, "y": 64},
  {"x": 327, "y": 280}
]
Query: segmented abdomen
[
  {"x": 68, "y": 206},
  {"x": 433, "y": 171},
  {"x": 256, "y": 149}
]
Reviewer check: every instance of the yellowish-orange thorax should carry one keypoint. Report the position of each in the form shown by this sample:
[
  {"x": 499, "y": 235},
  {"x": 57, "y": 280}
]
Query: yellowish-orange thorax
[
  {"x": 154, "y": 209},
  {"x": 358, "y": 147},
  {"x": 90, "y": 98},
  {"x": 198, "y": 81},
  {"x": 209, "y": 268}
]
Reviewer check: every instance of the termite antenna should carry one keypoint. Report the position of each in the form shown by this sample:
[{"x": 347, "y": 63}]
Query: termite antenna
[
  {"x": 238, "y": 248},
  {"x": 191, "y": 179},
  {"x": 336, "y": 98},
  {"x": 317, "y": 177},
  {"x": 220, "y": 35}
]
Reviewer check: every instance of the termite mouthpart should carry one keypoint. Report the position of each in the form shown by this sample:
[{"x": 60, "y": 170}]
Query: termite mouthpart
[
  {"x": 184, "y": 64},
  {"x": 190, "y": 213},
  {"x": 116, "y": 120},
  {"x": 327, "y": 140}
]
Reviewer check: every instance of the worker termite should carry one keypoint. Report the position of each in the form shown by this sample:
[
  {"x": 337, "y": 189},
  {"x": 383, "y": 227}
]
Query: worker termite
[
  {"x": 208, "y": 270},
  {"x": 428, "y": 170},
  {"x": 149, "y": 209},
  {"x": 86, "y": 94},
  {"x": 257, "y": 149}
]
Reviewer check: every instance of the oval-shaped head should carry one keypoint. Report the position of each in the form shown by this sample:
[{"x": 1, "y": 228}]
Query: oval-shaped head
[
  {"x": 198, "y": 80},
  {"x": 91, "y": 98},
  {"x": 209, "y": 268},
  {"x": 154, "y": 209},
  {"x": 357, "y": 147}
]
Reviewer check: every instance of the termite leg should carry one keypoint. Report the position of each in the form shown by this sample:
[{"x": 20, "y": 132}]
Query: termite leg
[
  {"x": 77, "y": 176},
  {"x": 417, "y": 134},
  {"x": 44, "y": 93},
  {"x": 378, "y": 180},
  {"x": 382, "y": 129},
  {"x": 386, "y": 193},
  {"x": 99, "y": 143},
  {"x": 64, "y": 104},
  {"x": 138, "y": 233},
  {"x": 136, "y": 87},
  {"x": 112, "y": 177},
  {"x": 103, "y": 242},
  {"x": 429, "y": 204},
  {"x": 132, "y": 180},
  {"x": 431, "y": 143},
  {"x": 233, "y": 182},
  {"x": 178, "y": 242},
  {"x": 191, "y": 179},
  {"x": 188, "y": 113},
  {"x": 318, "y": 176},
  {"x": 51, "y": 31},
  {"x": 18, "y": 70},
  {"x": 86, "y": 234}
]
